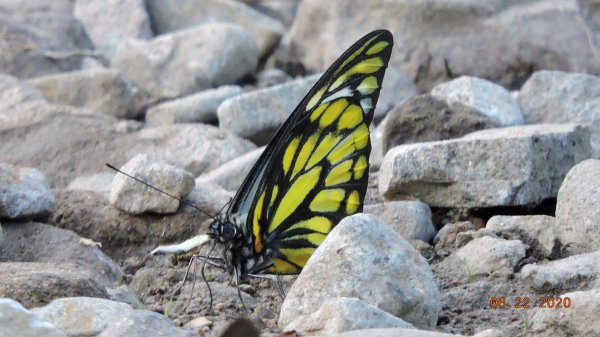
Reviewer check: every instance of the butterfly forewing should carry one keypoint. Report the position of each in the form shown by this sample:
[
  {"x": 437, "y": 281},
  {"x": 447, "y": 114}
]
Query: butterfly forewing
[{"x": 315, "y": 170}]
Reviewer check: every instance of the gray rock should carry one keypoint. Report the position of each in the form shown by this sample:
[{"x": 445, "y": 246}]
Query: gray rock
[
  {"x": 270, "y": 77},
  {"x": 124, "y": 295},
  {"x": 345, "y": 314},
  {"x": 426, "y": 118},
  {"x": 35, "y": 284},
  {"x": 188, "y": 60},
  {"x": 486, "y": 256},
  {"x": 143, "y": 323},
  {"x": 539, "y": 232},
  {"x": 486, "y": 39},
  {"x": 200, "y": 107},
  {"x": 231, "y": 175},
  {"x": 15, "y": 320},
  {"x": 578, "y": 320},
  {"x": 134, "y": 197},
  {"x": 24, "y": 193},
  {"x": 107, "y": 21},
  {"x": 589, "y": 11},
  {"x": 396, "y": 87},
  {"x": 577, "y": 211},
  {"x": 560, "y": 97},
  {"x": 392, "y": 332},
  {"x": 168, "y": 16},
  {"x": 258, "y": 114},
  {"x": 100, "y": 183},
  {"x": 82, "y": 316},
  {"x": 103, "y": 90},
  {"x": 446, "y": 238},
  {"x": 41, "y": 43},
  {"x": 13, "y": 93},
  {"x": 518, "y": 165},
  {"x": 410, "y": 219},
  {"x": 491, "y": 99},
  {"x": 573, "y": 273},
  {"x": 200, "y": 147},
  {"x": 364, "y": 258},
  {"x": 209, "y": 197}
]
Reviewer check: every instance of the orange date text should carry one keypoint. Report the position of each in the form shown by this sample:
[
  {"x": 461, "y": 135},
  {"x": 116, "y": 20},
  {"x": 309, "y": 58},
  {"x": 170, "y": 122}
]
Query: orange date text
[{"x": 550, "y": 302}]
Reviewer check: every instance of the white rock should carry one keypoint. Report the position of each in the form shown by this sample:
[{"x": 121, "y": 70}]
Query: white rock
[
  {"x": 231, "y": 174},
  {"x": 168, "y": 16},
  {"x": 485, "y": 96},
  {"x": 82, "y": 316},
  {"x": 209, "y": 197},
  {"x": 188, "y": 60},
  {"x": 560, "y": 97},
  {"x": 99, "y": 183},
  {"x": 577, "y": 208},
  {"x": 197, "y": 148},
  {"x": 107, "y": 21},
  {"x": 133, "y": 197},
  {"x": 102, "y": 90},
  {"x": 581, "y": 319},
  {"x": 363, "y": 258},
  {"x": 509, "y": 166},
  {"x": 345, "y": 314},
  {"x": 199, "y": 107},
  {"x": 487, "y": 256},
  {"x": 143, "y": 323},
  {"x": 15, "y": 320},
  {"x": 24, "y": 193},
  {"x": 537, "y": 231},
  {"x": 565, "y": 274},
  {"x": 411, "y": 219},
  {"x": 258, "y": 114}
]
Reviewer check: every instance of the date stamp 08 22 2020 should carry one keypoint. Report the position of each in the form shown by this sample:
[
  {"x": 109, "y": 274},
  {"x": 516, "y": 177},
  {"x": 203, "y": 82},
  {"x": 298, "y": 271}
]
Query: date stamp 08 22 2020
[{"x": 549, "y": 302}]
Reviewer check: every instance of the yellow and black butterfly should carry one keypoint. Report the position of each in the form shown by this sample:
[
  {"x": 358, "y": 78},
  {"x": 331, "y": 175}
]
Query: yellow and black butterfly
[{"x": 313, "y": 173}]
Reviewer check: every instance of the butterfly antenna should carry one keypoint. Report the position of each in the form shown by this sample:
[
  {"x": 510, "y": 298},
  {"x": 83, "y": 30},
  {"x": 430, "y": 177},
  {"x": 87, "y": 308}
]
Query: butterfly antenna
[
  {"x": 161, "y": 191},
  {"x": 204, "y": 277}
]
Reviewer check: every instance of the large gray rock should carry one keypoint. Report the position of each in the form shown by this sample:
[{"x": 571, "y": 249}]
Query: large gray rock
[
  {"x": 579, "y": 319},
  {"x": 441, "y": 39},
  {"x": 426, "y": 118},
  {"x": 99, "y": 183},
  {"x": 560, "y": 97},
  {"x": 510, "y": 166},
  {"x": 32, "y": 242},
  {"x": 13, "y": 93},
  {"x": 102, "y": 90},
  {"x": 489, "y": 98},
  {"x": 82, "y": 316},
  {"x": 572, "y": 273},
  {"x": 345, "y": 314},
  {"x": 41, "y": 42},
  {"x": 24, "y": 193},
  {"x": 133, "y": 197},
  {"x": 201, "y": 107},
  {"x": 108, "y": 21},
  {"x": 209, "y": 197},
  {"x": 168, "y": 16},
  {"x": 231, "y": 174},
  {"x": 144, "y": 323},
  {"x": 188, "y": 60},
  {"x": 410, "y": 219},
  {"x": 15, "y": 320},
  {"x": 486, "y": 256},
  {"x": 539, "y": 232},
  {"x": 258, "y": 114},
  {"x": 577, "y": 211},
  {"x": 363, "y": 258}
]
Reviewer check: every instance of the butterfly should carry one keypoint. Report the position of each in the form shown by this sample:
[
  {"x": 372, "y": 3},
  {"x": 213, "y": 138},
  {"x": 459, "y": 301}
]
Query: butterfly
[{"x": 313, "y": 173}]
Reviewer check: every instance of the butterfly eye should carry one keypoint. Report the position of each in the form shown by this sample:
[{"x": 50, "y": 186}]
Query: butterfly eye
[{"x": 228, "y": 231}]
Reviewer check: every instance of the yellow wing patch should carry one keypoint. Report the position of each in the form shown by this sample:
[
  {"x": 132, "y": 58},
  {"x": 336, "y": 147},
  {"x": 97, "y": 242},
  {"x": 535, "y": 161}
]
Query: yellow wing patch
[
  {"x": 289, "y": 153},
  {"x": 357, "y": 140},
  {"x": 327, "y": 200},
  {"x": 305, "y": 151},
  {"x": 340, "y": 173}
]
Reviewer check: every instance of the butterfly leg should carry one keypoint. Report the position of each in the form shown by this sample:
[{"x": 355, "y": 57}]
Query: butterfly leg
[{"x": 237, "y": 285}]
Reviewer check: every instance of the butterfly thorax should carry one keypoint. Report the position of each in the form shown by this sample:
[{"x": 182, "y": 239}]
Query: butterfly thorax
[{"x": 238, "y": 249}]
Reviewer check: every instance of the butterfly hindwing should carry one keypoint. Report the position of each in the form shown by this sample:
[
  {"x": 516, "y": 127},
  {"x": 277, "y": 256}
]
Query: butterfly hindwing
[{"x": 315, "y": 170}]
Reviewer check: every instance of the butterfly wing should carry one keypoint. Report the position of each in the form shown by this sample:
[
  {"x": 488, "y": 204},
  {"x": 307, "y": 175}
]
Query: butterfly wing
[{"x": 315, "y": 170}]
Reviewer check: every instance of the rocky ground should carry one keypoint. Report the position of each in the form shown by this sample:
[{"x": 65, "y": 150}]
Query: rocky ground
[{"x": 482, "y": 216}]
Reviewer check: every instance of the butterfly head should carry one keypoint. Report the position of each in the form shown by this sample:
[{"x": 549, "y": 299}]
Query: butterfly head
[{"x": 222, "y": 230}]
